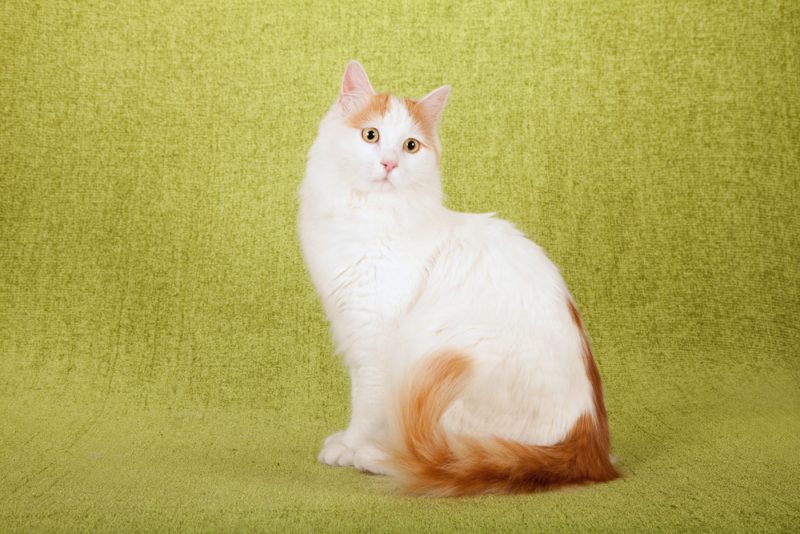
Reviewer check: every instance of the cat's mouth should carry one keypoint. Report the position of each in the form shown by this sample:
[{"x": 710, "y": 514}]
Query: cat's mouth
[{"x": 383, "y": 180}]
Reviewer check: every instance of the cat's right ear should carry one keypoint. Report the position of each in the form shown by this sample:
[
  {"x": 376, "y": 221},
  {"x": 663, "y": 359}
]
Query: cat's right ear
[{"x": 355, "y": 86}]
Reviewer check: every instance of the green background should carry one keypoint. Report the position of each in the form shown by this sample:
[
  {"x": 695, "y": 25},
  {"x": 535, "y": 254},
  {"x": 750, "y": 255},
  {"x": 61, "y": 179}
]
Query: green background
[{"x": 164, "y": 363}]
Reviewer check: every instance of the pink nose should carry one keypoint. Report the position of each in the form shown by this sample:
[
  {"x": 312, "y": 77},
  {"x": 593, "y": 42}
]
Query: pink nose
[{"x": 389, "y": 165}]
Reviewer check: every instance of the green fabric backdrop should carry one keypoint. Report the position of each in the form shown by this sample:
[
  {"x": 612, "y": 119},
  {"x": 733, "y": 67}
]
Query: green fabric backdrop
[{"x": 164, "y": 363}]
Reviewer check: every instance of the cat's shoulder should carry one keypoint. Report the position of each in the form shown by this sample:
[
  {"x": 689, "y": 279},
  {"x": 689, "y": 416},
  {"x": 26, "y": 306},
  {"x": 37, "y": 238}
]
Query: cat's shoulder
[
  {"x": 487, "y": 233},
  {"x": 484, "y": 226}
]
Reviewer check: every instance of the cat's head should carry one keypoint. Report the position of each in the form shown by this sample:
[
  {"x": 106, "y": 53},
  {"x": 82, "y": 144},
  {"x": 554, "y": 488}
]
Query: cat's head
[{"x": 377, "y": 142}]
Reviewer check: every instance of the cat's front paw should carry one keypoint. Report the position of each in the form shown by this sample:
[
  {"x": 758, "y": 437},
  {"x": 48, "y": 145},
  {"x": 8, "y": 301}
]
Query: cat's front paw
[
  {"x": 335, "y": 451},
  {"x": 370, "y": 459}
]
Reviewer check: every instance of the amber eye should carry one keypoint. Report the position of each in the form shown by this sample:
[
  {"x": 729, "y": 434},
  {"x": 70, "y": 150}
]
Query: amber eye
[
  {"x": 411, "y": 145},
  {"x": 370, "y": 135}
]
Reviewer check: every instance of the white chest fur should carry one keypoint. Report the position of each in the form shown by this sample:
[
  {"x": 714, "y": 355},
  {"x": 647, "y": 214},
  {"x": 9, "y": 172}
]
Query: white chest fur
[{"x": 365, "y": 273}]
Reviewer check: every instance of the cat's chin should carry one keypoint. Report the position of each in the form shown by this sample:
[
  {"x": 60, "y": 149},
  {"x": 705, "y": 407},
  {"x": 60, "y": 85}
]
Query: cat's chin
[{"x": 381, "y": 184}]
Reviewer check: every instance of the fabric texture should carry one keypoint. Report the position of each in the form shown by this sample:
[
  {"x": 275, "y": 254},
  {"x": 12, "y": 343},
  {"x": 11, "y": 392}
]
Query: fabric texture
[{"x": 164, "y": 363}]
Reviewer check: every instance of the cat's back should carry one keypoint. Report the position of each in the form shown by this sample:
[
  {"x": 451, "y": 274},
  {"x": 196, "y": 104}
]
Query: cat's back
[{"x": 501, "y": 248}]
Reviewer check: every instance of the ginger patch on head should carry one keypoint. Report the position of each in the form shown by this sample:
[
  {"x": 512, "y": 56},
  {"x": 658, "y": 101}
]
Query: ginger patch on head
[
  {"x": 376, "y": 106},
  {"x": 426, "y": 123}
]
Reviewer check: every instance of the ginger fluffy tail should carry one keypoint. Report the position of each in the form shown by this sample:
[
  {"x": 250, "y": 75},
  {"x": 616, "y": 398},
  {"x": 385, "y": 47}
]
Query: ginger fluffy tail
[{"x": 430, "y": 462}]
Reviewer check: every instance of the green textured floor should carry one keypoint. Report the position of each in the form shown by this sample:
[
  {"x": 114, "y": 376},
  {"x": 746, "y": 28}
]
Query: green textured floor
[{"x": 164, "y": 364}]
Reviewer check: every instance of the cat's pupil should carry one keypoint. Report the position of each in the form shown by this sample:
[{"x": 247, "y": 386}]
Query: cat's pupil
[
  {"x": 371, "y": 134},
  {"x": 411, "y": 145}
]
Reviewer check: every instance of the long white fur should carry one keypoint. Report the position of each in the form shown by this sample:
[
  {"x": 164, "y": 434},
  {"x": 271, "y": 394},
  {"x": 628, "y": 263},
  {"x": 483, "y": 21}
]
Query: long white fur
[{"x": 401, "y": 277}]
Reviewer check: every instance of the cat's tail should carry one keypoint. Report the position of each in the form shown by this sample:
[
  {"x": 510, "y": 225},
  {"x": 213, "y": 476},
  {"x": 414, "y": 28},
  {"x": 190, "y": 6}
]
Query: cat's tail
[{"x": 428, "y": 461}]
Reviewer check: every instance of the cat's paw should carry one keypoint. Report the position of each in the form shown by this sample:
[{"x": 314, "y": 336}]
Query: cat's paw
[
  {"x": 370, "y": 459},
  {"x": 336, "y": 437},
  {"x": 335, "y": 451}
]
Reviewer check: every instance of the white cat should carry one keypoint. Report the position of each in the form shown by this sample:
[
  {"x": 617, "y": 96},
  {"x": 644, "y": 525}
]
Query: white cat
[{"x": 470, "y": 368}]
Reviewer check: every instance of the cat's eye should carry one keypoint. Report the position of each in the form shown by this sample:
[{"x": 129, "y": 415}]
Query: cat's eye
[
  {"x": 411, "y": 145},
  {"x": 370, "y": 135}
]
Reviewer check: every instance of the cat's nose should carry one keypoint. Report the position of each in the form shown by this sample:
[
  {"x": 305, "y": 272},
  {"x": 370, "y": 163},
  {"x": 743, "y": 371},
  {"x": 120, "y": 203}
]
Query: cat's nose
[{"x": 388, "y": 165}]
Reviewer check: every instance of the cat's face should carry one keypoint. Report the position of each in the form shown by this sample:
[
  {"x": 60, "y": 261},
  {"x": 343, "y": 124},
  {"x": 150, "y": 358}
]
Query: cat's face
[{"x": 380, "y": 142}]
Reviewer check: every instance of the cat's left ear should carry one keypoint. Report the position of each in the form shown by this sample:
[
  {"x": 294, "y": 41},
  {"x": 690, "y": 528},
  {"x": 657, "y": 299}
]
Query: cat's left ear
[
  {"x": 355, "y": 86},
  {"x": 433, "y": 103}
]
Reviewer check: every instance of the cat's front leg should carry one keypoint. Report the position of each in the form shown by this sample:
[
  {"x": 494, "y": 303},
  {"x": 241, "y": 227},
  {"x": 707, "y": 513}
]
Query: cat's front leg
[{"x": 358, "y": 445}]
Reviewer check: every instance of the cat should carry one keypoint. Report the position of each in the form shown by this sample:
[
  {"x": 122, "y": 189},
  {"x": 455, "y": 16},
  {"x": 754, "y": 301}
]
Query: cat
[{"x": 471, "y": 371}]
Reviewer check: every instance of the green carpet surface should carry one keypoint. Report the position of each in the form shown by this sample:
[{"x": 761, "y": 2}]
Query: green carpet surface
[{"x": 165, "y": 365}]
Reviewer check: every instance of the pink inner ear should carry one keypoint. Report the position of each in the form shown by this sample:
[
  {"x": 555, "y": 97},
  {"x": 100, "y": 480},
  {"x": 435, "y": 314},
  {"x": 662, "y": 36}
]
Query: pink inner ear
[
  {"x": 433, "y": 103},
  {"x": 355, "y": 80}
]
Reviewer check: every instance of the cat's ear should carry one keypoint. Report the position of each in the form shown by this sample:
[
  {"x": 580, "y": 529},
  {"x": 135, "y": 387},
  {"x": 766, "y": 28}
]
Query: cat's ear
[
  {"x": 433, "y": 103},
  {"x": 355, "y": 86}
]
